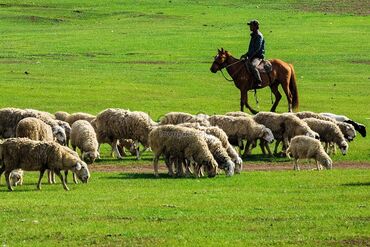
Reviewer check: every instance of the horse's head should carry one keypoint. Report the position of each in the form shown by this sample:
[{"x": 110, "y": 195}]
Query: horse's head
[{"x": 220, "y": 60}]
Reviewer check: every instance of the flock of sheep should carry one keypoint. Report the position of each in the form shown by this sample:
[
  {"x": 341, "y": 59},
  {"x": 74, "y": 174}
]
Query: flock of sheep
[{"x": 190, "y": 144}]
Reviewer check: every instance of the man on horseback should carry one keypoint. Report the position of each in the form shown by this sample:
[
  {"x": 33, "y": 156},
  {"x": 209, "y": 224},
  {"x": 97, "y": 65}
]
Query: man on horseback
[{"x": 256, "y": 51}]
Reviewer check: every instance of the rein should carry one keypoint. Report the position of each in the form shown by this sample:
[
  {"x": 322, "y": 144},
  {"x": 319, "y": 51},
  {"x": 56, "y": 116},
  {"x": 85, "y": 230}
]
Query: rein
[{"x": 230, "y": 80}]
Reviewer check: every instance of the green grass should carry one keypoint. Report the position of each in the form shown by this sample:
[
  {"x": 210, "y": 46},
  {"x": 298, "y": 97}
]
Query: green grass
[
  {"x": 154, "y": 56},
  {"x": 255, "y": 208}
]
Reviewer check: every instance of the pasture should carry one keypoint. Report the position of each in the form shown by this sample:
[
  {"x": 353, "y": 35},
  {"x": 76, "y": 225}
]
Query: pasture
[{"x": 155, "y": 56}]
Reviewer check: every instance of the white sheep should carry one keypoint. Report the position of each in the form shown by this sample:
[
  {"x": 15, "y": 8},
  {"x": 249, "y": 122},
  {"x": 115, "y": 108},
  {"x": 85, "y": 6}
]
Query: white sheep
[
  {"x": 181, "y": 143},
  {"x": 61, "y": 115},
  {"x": 16, "y": 177},
  {"x": 341, "y": 118},
  {"x": 114, "y": 124},
  {"x": 83, "y": 136},
  {"x": 182, "y": 117},
  {"x": 34, "y": 129},
  {"x": 329, "y": 133},
  {"x": 237, "y": 114},
  {"x": 79, "y": 116},
  {"x": 242, "y": 128},
  {"x": 29, "y": 155},
  {"x": 284, "y": 127},
  {"x": 304, "y": 147}
]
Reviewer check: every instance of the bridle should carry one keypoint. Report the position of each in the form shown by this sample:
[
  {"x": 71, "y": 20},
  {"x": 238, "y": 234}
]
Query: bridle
[{"x": 220, "y": 65}]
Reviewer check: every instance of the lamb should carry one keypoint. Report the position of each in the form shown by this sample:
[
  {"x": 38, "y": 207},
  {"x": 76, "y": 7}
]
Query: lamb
[
  {"x": 239, "y": 128},
  {"x": 329, "y": 133},
  {"x": 284, "y": 127},
  {"x": 79, "y": 116},
  {"x": 34, "y": 129},
  {"x": 115, "y": 124},
  {"x": 181, "y": 143},
  {"x": 304, "y": 147},
  {"x": 182, "y": 117},
  {"x": 9, "y": 118},
  {"x": 29, "y": 155},
  {"x": 83, "y": 136},
  {"x": 61, "y": 115},
  {"x": 221, "y": 135},
  {"x": 360, "y": 128},
  {"x": 16, "y": 177}
]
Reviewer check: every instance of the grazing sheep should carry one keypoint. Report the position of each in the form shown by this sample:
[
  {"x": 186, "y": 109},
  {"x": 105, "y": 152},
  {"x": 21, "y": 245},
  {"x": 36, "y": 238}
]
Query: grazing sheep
[
  {"x": 304, "y": 147},
  {"x": 348, "y": 130},
  {"x": 181, "y": 143},
  {"x": 242, "y": 128},
  {"x": 310, "y": 114},
  {"x": 284, "y": 127},
  {"x": 341, "y": 118},
  {"x": 114, "y": 124},
  {"x": 34, "y": 129},
  {"x": 79, "y": 116},
  {"x": 9, "y": 118},
  {"x": 182, "y": 117},
  {"x": 130, "y": 145},
  {"x": 237, "y": 114},
  {"x": 16, "y": 177},
  {"x": 67, "y": 129},
  {"x": 61, "y": 115},
  {"x": 29, "y": 155},
  {"x": 83, "y": 136},
  {"x": 329, "y": 133},
  {"x": 221, "y": 135}
]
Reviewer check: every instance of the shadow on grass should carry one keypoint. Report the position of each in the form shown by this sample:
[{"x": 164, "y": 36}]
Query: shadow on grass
[
  {"x": 265, "y": 158},
  {"x": 357, "y": 184},
  {"x": 143, "y": 176}
]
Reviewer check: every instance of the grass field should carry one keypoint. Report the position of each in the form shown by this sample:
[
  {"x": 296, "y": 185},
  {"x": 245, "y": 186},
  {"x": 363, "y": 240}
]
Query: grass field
[{"x": 154, "y": 56}]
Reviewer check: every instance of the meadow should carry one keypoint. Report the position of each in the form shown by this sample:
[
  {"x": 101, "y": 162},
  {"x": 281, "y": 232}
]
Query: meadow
[{"x": 155, "y": 56}]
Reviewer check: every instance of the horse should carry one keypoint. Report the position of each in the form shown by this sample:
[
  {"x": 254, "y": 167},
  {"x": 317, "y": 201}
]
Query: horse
[{"x": 282, "y": 73}]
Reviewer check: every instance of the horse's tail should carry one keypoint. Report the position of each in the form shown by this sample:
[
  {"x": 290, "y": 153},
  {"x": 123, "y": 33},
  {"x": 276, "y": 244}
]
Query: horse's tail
[{"x": 293, "y": 89}]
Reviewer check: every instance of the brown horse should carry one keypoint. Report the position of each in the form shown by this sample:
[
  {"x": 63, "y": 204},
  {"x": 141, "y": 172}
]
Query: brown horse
[{"x": 282, "y": 73}]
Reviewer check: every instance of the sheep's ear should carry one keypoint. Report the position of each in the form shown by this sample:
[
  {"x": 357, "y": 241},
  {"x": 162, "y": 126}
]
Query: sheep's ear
[{"x": 78, "y": 166}]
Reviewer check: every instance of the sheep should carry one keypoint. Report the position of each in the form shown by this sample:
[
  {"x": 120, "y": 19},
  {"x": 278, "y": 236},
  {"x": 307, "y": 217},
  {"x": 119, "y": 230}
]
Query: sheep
[
  {"x": 221, "y": 135},
  {"x": 284, "y": 127},
  {"x": 360, "y": 128},
  {"x": 79, "y": 116},
  {"x": 346, "y": 128},
  {"x": 114, "y": 124},
  {"x": 182, "y": 117},
  {"x": 83, "y": 136},
  {"x": 9, "y": 118},
  {"x": 329, "y": 133},
  {"x": 61, "y": 115},
  {"x": 16, "y": 177},
  {"x": 181, "y": 143},
  {"x": 237, "y": 114},
  {"x": 304, "y": 147},
  {"x": 67, "y": 129},
  {"x": 130, "y": 145},
  {"x": 34, "y": 129},
  {"x": 239, "y": 128},
  {"x": 29, "y": 155}
]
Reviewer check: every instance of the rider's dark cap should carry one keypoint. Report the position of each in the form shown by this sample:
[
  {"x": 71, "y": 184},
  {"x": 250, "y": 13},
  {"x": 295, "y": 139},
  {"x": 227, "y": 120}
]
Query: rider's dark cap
[{"x": 253, "y": 23}]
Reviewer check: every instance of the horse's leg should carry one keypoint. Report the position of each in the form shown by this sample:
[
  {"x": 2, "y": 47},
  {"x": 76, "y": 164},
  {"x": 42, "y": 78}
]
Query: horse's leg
[
  {"x": 288, "y": 94},
  {"x": 275, "y": 91},
  {"x": 244, "y": 99}
]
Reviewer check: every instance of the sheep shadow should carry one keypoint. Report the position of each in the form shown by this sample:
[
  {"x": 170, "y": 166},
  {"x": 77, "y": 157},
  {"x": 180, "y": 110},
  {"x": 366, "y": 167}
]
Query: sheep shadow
[
  {"x": 266, "y": 158},
  {"x": 144, "y": 176},
  {"x": 356, "y": 184}
]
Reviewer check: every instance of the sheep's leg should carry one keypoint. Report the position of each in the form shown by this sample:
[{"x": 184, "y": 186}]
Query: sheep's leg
[
  {"x": 99, "y": 151},
  {"x": 296, "y": 166},
  {"x": 137, "y": 150},
  {"x": 168, "y": 163},
  {"x": 268, "y": 149},
  {"x": 247, "y": 151},
  {"x": 155, "y": 164},
  {"x": 114, "y": 146},
  {"x": 7, "y": 174},
  {"x": 74, "y": 178},
  {"x": 42, "y": 171},
  {"x": 57, "y": 171},
  {"x": 66, "y": 176},
  {"x": 276, "y": 146},
  {"x": 2, "y": 169},
  {"x": 180, "y": 170},
  {"x": 53, "y": 177},
  {"x": 188, "y": 172},
  {"x": 74, "y": 148}
]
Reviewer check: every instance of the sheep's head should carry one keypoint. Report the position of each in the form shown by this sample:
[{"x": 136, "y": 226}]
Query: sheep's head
[
  {"x": 211, "y": 168},
  {"x": 238, "y": 165},
  {"x": 229, "y": 168},
  {"x": 343, "y": 147},
  {"x": 327, "y": 163},
  {"x": 81, "y": 170},
  {"x": 313, "y": 134},
  {"x": 349, "y": 132},
  {"x": 59, "y": 134},
  {"x": 15, "y": 178},
  {"x": 89, "y": 157},
  {"x": 267, "y": 135}
]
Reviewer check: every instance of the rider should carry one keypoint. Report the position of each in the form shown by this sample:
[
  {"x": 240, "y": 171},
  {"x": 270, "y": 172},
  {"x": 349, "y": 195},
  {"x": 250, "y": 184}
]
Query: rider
[{"x": 256, "y": 50}]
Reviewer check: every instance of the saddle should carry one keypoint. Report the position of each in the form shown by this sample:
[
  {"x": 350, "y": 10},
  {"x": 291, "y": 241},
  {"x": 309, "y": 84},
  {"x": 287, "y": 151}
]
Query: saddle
[{"x": 265, "y": 66}]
